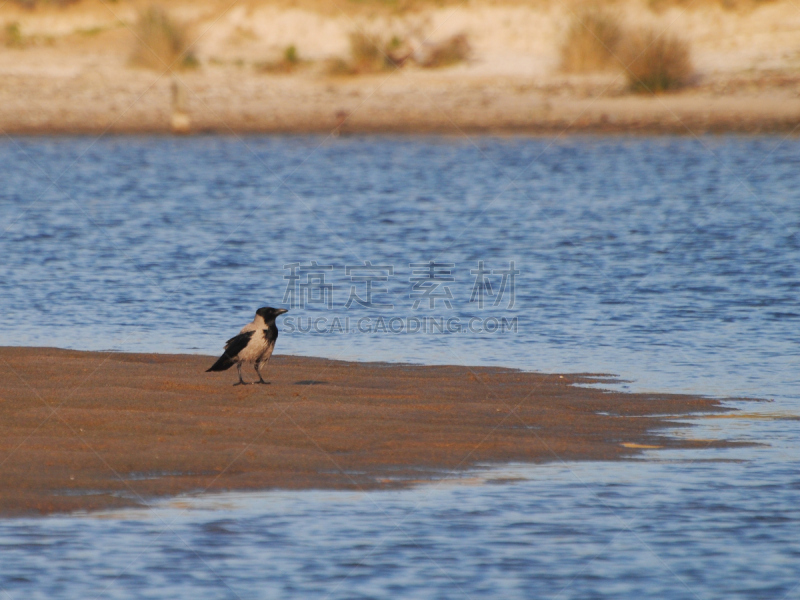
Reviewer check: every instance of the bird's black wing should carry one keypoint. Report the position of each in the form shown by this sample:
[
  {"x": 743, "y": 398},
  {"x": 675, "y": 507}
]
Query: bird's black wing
[
  {"x": 237, "y": 343},
  {"x": 232, "y": 348}
]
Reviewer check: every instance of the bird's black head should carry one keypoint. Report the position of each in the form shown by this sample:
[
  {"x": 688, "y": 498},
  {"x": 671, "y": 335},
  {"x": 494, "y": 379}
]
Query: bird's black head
[{"x": 269, "y": 314}]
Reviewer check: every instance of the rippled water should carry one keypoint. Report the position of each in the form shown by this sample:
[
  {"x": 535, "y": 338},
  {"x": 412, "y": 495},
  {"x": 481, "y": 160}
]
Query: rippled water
[{"x": 672, "y": 262}]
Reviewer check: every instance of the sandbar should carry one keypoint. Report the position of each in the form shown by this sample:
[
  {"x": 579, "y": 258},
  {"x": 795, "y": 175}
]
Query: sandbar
[{"x": 99, "y": 430}]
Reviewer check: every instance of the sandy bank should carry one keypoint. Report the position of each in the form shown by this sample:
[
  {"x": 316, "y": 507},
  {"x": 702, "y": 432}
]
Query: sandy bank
[
  {"x": 86, "y": 430},
  {"x": 412, "y": 103}
]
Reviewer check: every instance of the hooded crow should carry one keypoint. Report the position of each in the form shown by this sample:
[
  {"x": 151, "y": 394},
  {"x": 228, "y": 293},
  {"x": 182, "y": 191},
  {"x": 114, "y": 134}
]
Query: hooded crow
[{"x": 254, "y": 344}]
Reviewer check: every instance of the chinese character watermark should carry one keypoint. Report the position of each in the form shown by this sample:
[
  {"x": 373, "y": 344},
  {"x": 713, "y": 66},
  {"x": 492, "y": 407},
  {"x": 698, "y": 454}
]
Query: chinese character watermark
[
  {"x": 483, "y": 286},
  {"x": 367, "y": 274},
  {"x": 427, "y": 278},
  {"x": 314, "y": 290},
  {"x": 310, "y": 284}
]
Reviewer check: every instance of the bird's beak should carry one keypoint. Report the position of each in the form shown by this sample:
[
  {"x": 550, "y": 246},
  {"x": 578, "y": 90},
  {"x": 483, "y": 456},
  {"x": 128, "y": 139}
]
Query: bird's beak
[{"x": 280, "y": 311}]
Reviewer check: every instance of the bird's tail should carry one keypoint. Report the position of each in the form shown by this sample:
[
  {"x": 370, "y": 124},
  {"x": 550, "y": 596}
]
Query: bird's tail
[{"x": 223, "y": 363}]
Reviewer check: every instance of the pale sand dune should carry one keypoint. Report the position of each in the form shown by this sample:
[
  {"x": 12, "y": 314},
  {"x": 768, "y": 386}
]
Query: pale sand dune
[{"x": 72, "y": 77}]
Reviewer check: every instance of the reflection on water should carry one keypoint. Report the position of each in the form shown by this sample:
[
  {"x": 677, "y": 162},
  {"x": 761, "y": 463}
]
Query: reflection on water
[{"x": 672, "y": 262}]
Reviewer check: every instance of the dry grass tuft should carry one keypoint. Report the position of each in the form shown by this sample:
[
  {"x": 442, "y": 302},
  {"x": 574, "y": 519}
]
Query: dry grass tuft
[
  {"x": 653, "y": 62},
  {"x": 290, "y": 55},
  {"x": 338, "y": 66},
  {"x": 368, "y": 54},
  {"x": 451, "y": 51},
  {"x": 161, "y": 43},
  {"x": 12, "y": 36},
  {"x": 398, "y": 51},
  {"x": 656, "y": 62},
  {"x": 288, "y": 63},
  {"x": 371, "y": 54},
  {"x": 591, "y": 43}
]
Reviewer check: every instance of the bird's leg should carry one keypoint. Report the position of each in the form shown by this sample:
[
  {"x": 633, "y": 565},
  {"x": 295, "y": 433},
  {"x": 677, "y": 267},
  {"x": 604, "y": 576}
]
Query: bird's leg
[
  {"x": 258, "y": 370},
  {"x": 239, "y": 370}
]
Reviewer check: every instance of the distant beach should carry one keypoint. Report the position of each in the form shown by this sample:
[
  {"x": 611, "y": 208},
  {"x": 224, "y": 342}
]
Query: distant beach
[
  {"x": 416, "y": 104},
  {"x": 279, "y": 67}
]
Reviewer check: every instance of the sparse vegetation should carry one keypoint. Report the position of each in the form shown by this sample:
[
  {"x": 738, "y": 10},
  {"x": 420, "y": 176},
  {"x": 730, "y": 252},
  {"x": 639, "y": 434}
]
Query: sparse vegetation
[
  {"x": 12, "y": 36},
  {"x": 592, "y": 42},
  {"x": 655, "y": 62},
  {"x": 161, "y": 43},
  {"x": 190, "y": 61},
  {"x": 451, "y": 51},
  {"x": 652, "y": 61},
  {"x": 398, "y": 51},
  {"x": 91, "y": 31},
  {"x": 290, "y": 55},
  {"x": 371, "y": 54},
  {"x": 368, "y": 53},
  {"x": 338, "y": 66},
  {"x": 288, "y": 62}
]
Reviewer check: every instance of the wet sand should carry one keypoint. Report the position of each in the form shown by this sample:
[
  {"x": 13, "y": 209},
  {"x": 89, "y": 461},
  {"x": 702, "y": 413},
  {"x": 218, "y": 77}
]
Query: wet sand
[{"x": 90, "y": 430}]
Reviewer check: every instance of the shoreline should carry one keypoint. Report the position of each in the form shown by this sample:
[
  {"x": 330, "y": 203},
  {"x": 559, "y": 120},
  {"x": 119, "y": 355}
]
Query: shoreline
[
  {"x": 413, "y": 103},
  {"x": 94, "y": 431}
]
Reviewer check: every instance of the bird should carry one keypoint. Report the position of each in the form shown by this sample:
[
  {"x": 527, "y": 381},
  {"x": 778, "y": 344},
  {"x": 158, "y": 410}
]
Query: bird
[{"x": 254, "y": 344}]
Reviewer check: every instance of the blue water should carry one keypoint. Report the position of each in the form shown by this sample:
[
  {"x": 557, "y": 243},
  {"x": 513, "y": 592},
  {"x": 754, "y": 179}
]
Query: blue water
[{"x": 672, "y": 262}]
